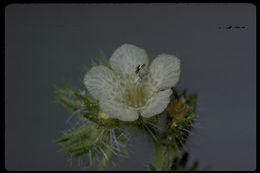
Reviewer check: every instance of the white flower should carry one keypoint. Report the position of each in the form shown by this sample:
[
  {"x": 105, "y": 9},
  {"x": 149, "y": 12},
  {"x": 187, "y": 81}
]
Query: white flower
[{"x": 132, "y": 87}]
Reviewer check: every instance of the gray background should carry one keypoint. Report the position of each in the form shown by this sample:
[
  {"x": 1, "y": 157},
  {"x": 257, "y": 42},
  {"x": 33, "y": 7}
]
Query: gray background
[{"x": 49, "y": 43}]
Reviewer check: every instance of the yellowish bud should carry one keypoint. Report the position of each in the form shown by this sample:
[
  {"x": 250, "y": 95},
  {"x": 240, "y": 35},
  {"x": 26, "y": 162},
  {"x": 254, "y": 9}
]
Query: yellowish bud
[
  {"x": 103, "y": 115},
  {"x": 173, "y": 125},
  {"x": 178, "y": 108}
]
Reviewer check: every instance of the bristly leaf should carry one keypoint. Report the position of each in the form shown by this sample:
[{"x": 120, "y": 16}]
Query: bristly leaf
[
  {"x": 103, "y": 59},
  {"x": 180, "y": 163},
  {"x": 88, "y": 101},
  {"x": 195, "y": 166},
  {"x": 150, "y": 127},
  {"x": 184, "y": 159},
  {"x": 96, "y": 141},
  {"x": 65, "y": 97}
]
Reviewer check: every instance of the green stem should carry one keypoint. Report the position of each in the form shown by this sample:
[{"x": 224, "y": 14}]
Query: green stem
[
  {"x": 164, "y": 155},
  {"x": 158, "y": 157},
  {"x": 111, "y": 122}
]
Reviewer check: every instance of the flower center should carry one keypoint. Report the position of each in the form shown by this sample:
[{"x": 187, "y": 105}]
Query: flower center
[{"x": 133, "y": 94}]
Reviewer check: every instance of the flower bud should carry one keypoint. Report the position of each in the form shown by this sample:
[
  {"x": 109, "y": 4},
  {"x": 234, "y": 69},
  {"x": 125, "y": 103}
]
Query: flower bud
[
  {"x": 178, "y": 108},
  {"x": 103, "y": 115}
]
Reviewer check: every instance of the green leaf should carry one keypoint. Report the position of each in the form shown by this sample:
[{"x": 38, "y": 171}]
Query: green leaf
[
  {"x": 107, "y": 156},
  {"x": 103, "y": 59},
  {"x": 184, "y": 159},
  {"x": 152, "y": 168},
  {"x": 93, "y": 139},
  {"x": 75, "y": 133},
  {"x": 195, "y": 166},
  {"x": 64, "y": 99},
  {"x": 88, "y": 101}
]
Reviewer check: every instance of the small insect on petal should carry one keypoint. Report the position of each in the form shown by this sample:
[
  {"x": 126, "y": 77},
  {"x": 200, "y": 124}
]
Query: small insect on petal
[{"x": 137, "y": 69}]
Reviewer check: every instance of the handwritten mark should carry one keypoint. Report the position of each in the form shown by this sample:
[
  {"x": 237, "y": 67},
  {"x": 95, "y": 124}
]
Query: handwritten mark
[
  {"x": 232, "y": 27},
  {"x": 229, "y": 27}
]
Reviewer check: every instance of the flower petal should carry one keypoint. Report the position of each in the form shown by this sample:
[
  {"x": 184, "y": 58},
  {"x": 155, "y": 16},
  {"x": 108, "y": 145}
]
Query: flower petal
[
  {"x": 165, "y": 71},
  {"x": 126, "y": 59},
  {"x": 99, "y": 79},
  {"x": 115, "y": 109},
  {"x": 156, "y": 104}
]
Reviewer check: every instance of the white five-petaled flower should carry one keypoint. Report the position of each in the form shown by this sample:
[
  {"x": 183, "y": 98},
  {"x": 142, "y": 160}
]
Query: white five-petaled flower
[{"x": 131, "y": 87}]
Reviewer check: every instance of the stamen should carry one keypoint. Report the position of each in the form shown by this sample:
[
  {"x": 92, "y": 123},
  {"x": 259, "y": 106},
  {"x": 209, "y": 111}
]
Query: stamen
[{"x": 132, "y": 87}]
